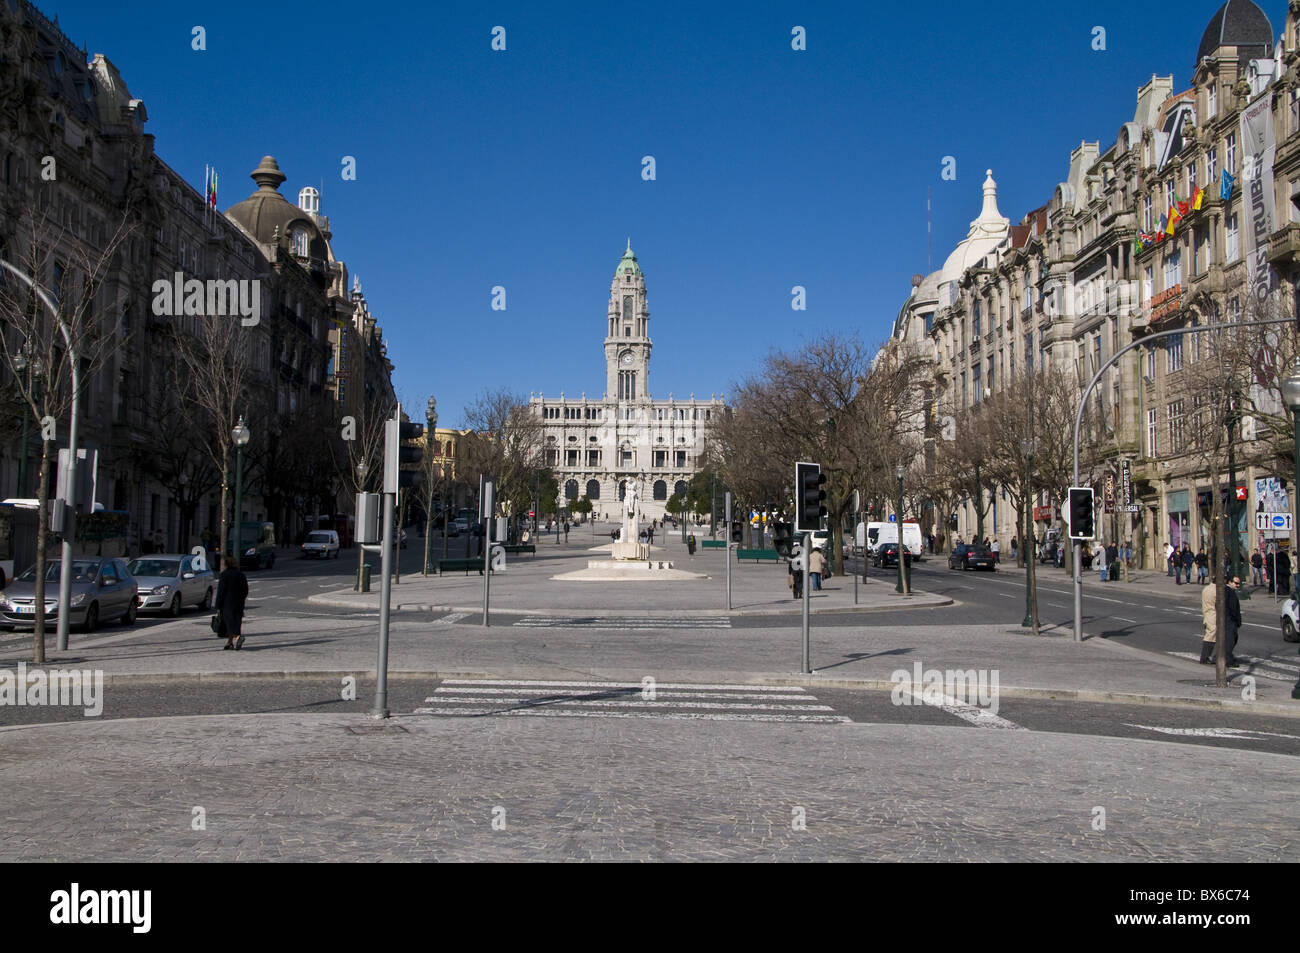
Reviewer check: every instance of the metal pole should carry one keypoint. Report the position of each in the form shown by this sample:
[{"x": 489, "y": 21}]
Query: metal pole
[
  {"x": 1026, "y": 533},
  {"x": 380, "y": 709},
  {"x": 728, "y": 539},
  {"x": 898, "y": 519},
  {"x": 488, "y": 506},
  {"x": 1078, "y": 425},
  {"x": 235, "y": 541},
  {"x": 807, "y": 584},
  {"x": 1295, "y": 489}
]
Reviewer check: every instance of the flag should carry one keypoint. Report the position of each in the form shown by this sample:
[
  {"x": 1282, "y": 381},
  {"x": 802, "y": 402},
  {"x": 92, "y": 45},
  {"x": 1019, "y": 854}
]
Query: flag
[
  {"x": 1137, "y": 244},
  {"x": 1164, "y": 222},
  {"x": 1183, "y": 208},
  {"x": 1196, "y": 199},
  {"x": 1225, "y": 190},
  {"x": 214, "y": 188}
]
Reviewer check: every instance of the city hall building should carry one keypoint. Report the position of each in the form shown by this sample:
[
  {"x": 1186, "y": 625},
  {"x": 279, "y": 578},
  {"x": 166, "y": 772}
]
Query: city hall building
[{"x": 600, "y": 448}]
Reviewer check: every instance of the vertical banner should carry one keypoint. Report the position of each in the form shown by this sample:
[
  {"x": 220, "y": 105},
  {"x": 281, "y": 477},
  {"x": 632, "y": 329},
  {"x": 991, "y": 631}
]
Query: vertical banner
[{"x": 1257, "y": 195}]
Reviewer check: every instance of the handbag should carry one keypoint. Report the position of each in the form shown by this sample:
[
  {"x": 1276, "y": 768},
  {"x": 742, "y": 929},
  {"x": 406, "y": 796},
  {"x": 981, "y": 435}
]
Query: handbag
[{"x": 216, "y": 624}]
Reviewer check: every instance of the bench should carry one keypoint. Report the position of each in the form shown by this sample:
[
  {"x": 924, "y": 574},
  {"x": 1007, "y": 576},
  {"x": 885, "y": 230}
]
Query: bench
[
  {"x": 715, "y": 544},
  {"x": 454, "y": 565},
  {"x": 521, "y": 548},
  {"x": 757, "y": 555}
]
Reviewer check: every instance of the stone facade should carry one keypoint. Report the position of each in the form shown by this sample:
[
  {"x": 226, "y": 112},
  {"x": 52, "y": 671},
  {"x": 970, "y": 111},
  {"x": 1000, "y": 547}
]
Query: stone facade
[
  {"x": 598, "y": 448},
  {"x": 1068, "y": 286}
]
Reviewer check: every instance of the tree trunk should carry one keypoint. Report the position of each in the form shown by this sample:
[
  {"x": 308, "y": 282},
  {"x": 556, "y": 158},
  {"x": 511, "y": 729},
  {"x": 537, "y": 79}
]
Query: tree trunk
[{"x": 1220, "y": 600}]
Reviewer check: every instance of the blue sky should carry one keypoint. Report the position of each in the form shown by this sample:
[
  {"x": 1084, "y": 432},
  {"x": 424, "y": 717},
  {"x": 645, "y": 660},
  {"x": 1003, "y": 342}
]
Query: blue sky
[{"x": 522, "y": 168}]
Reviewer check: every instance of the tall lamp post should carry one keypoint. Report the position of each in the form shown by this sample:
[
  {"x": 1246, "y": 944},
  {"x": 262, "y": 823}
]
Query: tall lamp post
[
  {"x": 899, "y": 471},
  {"x": 1291, "y": 395},
  {"x": 27, "y": 360},
  {"x": 183, "y": 479},
  {"x": 361, "y": 552},
  {"x": 240, "y": 436},
  {"x": 431, "y": 418}
]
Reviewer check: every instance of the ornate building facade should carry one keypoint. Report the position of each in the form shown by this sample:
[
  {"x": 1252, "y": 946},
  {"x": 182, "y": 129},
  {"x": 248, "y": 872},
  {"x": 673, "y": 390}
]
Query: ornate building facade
[{"x": 599, "y": 447}]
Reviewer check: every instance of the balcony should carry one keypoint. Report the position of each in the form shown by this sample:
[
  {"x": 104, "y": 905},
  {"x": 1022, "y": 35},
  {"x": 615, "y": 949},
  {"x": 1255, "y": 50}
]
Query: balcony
[{"x": 1284, "y": 244}]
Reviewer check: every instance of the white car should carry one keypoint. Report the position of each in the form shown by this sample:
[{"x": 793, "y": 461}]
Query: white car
[
  {"x": 321, "y": 543},
  {"x": 1290, "y": 621}
]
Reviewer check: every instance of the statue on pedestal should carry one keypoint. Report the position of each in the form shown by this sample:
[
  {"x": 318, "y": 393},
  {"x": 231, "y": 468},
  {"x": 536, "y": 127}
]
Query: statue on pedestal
[{"x": 629, "y": 515}]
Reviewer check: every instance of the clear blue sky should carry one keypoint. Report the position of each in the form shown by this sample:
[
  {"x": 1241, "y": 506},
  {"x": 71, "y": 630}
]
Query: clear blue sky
[{"x": 523, "y": 168}]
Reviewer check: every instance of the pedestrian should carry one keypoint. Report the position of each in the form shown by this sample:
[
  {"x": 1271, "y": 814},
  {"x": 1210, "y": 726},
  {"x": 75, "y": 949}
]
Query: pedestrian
[
  {"x": 1169, "y": 557},
  {"x": 1283, "y": 572},
  {"x": 649, "y": 534},
  {"x": 1270, "y": 567},
  {"x": 1210, "y": 623},
  {"x": 996, "y": 549},
  {"x": 232, "y": 593},
  {"x": 816, "y": 566},
  {"x": 794, "y": 576},
  {"x": 1013, "y": 549},
  {"x": 1257, "y": 569},
  {"x": 690, "y": 545},
  {"x": 1112, "y": 562},
  {"x": 1188, "y": 561},
  {"x": 1232, "y": 606},
  {"x": 1202, "y": 566}
]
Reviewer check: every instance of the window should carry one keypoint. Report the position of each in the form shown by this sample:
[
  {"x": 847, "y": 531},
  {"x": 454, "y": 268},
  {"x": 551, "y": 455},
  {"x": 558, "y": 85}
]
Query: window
[
  {"x": 593, "y": 458},
  {"x": 1173, "y": 269},
  {"x": 1232, "y": 247},
  {"x": 627, "y": 309},
  {"x": 1177, "y": 426},
  {"x": 990, "y": 377},
  {"x": 1096, "y": 354},
  {"x": 1151, "y": 434},
  {"x": 571, "y": 489},
  {"x": 660, "y": 490},
  {"x": 1234, "y": 310},
  {"x": 627, "y": 330},
  {"x": 570, "y": 458},
  {"x": 552, "y": 458},
  {"x": 975, "y": 323},
  {"x": 1191, "y": 178},
  {"x": 626, "y": 458},
  {"x": 593, "y": 489},
  {"x": 1148, "y": 288},
  {"x": 1146, "y": 214},
  {"x": 1151, "y": 364},
  {"x": 679, "y": 459},
  {"x": 929, "y": 322},
  {"x": 975, "y": 381},
  {"x": 1211, "y": 166},
  {"x": 622, "y": 490},
  {"x": 1212, "y": 98},
  {"x": 1230, "y": 154},
  {"x": 679, "y": 488},
  {"x": 661, "y": 459},
  {"x": 1170, "y": 192},
  {"x": 1173, "y": 353}
]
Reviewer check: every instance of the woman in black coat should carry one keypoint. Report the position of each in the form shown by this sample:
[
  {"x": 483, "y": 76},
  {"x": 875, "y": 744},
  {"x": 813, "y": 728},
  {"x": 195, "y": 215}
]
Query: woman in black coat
[{"x": 232, "y": 593}]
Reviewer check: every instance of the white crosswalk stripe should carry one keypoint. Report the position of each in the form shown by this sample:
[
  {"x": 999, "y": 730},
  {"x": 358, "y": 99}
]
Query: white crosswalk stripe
[
  {"x": 572, "y": 699},
  {"x": 1263, "y": 667},
  {"x": 622, "y": 623},
  {"x": 450, "y": 619}
]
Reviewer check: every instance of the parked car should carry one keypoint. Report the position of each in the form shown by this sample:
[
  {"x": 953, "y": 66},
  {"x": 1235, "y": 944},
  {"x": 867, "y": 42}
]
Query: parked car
[
  {"x": 887, "y": 555},
  {"x": 965, "y": 556},
  {"x": 103, "y": 589},
  {"x": 1290, "y": 621},
  {"x": 458, "y": 526},
  {"x": 168, "y": 583},
  {"x": 321, "y": 543}
]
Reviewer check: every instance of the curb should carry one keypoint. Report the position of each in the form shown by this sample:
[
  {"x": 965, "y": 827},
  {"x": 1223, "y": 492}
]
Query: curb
[{"x": 799, "y": 681}]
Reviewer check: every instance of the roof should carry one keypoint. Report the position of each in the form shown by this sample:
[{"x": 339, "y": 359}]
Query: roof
[
  {"x": 1238, "y": 23},
  {"x": 628, "y": 261},
  {"x": 986, "y": 233},
  {"x": 267, "y": 210}
]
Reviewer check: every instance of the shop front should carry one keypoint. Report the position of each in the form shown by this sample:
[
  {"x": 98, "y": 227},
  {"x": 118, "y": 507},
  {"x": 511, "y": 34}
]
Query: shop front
[{"x": 1179, "y": 518}]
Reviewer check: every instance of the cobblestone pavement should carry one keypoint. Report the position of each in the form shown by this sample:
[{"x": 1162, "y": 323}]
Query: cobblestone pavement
[{"x": 337, "y": 787}]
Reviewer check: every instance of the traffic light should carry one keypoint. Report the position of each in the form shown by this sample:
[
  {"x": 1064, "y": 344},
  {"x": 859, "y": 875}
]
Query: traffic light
[
  {"x": 737, "y": 532},
  {"x": 808, "y": 483},
  {"x": 782, "y": 534},
  {"x": 397, "y": 451},
  {"x": 1081, "y": 515}
]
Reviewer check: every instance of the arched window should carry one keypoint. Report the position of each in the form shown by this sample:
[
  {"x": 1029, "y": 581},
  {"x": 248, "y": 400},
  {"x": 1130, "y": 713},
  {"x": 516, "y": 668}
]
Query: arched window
[
  {"x": 593, "y": 489},
  {"x": 660, "y": 490},
  {"x": 622, "y": 490},
  {"x": 679, "y": 488},
  {"x": 571, "y": 490},
  {"x": 300, "y": 241}
]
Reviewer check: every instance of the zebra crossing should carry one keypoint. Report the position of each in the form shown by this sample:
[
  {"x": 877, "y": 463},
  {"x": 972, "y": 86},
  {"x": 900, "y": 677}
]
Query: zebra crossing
[
  {"x": 1272, "y": 668},
  {"x": 623, "y": 623},
  {"x": 464, "y": 697}
]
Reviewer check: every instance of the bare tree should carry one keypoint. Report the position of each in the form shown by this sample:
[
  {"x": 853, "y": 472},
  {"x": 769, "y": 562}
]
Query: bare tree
[
  {"x": 36, "y": 346},
  {"x": 508, "y": 445}
]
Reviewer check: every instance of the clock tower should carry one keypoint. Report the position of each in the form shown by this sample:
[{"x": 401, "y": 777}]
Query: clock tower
[{"x": 627, "y": 344}]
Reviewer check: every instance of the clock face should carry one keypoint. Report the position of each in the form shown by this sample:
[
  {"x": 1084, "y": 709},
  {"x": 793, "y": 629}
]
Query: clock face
[{"x": 627, "y": 357}]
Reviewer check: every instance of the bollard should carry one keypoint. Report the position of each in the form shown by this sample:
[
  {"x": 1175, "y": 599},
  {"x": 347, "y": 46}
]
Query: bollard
[{"x": 365, "y": 577}]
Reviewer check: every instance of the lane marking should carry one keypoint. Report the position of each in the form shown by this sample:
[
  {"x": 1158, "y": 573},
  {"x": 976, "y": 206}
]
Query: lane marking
[
  {"x": 451, "y": 618},
  {"x": 1122, "y": 619},
  {"x": 582, "y": 693},
  {"x": 979, "y": 717},
  {"x": 1243, "y": 734},
  {"x": 637, "y": 685},
  {"x": 681, "y": 716},
  {"x": 1262, "y": 672},
  {"x": 490, "y": 704}
]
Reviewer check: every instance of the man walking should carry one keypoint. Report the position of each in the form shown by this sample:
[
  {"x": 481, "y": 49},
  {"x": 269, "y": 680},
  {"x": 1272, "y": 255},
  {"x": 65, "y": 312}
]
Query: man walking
[
  {"x": 1202, "y": 566},
  {"x": 1210, "y": 623},
  {"x": 1283, "y": 572},
  {"x": 1189, "y": 560},
  {"x": 1257, "y": 569},
  {"x": 1232, "y": 607},
  {"x": 1169, "y": 557}
]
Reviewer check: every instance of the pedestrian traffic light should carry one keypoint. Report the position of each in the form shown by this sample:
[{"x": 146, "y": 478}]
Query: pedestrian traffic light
[
  {"x": 1081, "y": 514},
  {"x": 737, "y": 532},
  {"x": 399, "y": 449},
  {"x": 782, "y": 534},
  {"x": 808, "y": 483}
]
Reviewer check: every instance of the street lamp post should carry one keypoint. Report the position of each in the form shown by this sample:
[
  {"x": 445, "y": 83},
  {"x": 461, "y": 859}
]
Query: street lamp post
[
  {"x": 1027, "y": 534},
  {"x": 1291, "y": 396},
  {"x": 899, "y": 471},
  {"x": 26, "y": 360},
  {"x": 240, "y": 436},
  {"x": 183, "y": 479},
  {"x": 361, "y": 552},
  {"x": 431, "y": 418}
]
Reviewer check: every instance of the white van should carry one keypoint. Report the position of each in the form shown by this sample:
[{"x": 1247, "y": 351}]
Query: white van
[
  {"x": 321, "y": 543},
  {"x": 871, "y": 536}
]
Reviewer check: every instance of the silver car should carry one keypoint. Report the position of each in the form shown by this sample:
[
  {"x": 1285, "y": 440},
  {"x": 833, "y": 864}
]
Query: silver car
[
  {"x": 170, "y": 582},
  {"x": 103, "y": 589}
]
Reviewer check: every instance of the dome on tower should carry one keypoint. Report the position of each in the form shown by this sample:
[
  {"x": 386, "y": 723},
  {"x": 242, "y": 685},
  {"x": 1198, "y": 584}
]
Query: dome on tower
[
  {"x": 1242, "y": 24},
  {"x": 628, "y": 261}
]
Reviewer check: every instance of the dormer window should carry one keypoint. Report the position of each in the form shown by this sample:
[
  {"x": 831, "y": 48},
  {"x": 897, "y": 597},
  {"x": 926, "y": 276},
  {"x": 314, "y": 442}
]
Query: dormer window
[{"x": 298, "y": 234}]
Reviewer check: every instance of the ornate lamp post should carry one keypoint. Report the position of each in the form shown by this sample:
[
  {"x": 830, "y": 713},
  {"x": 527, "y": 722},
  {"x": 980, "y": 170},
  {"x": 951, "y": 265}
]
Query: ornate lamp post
[
  {"x": 1027, "y": 535},
  {"x": 240, "y": 436},
  {"x": 361, "y": 553},
  {"x": 431, "y": 418}
]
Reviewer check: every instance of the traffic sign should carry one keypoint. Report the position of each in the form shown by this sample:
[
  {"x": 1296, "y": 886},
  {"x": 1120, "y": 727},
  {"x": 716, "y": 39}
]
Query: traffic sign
[
  {"x": 1274, "y": 521},
  {"x": 893, "y": 517}
]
